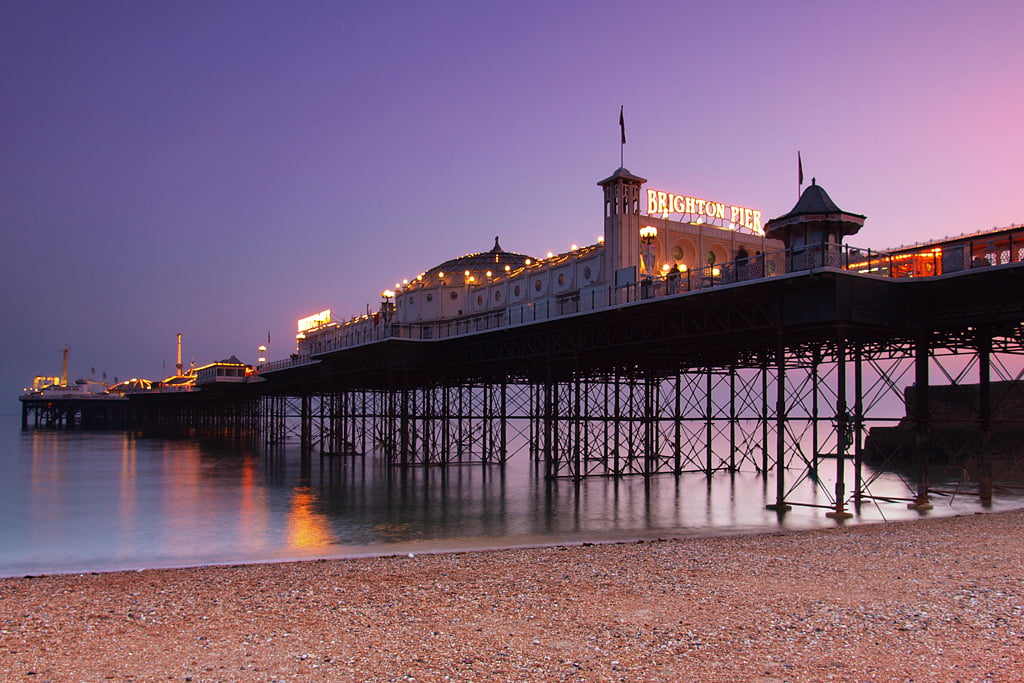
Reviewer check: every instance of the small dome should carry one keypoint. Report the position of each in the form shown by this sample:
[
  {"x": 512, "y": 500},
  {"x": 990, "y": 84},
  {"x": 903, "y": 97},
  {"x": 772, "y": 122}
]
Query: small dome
[{"x": 478, "y": 265}]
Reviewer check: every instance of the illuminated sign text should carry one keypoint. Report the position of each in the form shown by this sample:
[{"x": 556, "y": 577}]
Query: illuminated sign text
[
  {"x": 314, "y": 321},
  {"x": 737, "y": 216}
]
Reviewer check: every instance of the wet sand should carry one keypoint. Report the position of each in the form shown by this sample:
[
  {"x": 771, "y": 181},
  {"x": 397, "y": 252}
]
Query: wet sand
[{"x": 930, "y": 600}]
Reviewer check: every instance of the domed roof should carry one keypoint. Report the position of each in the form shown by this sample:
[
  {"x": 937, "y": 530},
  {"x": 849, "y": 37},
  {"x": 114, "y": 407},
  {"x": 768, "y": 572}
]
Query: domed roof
[
  {"x": 622, "y": 175},
  {"x": 497, "y": 261},
  {"x": 815, "y": 206}
]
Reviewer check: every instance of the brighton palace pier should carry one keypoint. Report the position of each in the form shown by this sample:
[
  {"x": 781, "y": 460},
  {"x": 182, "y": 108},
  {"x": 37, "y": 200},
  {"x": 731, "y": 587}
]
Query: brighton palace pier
[{"x": 695, "y": 337}]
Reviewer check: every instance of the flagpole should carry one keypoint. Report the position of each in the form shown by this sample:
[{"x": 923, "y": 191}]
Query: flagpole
[
  {"x": 622, "y": 144},
  {"x": 800, "y": 175}
]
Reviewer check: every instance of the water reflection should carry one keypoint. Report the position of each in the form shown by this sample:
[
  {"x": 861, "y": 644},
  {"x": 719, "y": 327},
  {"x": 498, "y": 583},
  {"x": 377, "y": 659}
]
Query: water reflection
[
  {"x": 82, "y": 501},
  {"x": 307, "y": 526}
]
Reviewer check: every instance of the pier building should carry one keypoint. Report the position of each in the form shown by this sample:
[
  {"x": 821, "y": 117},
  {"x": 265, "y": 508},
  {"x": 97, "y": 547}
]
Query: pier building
[{"x": 678, "y": 243}]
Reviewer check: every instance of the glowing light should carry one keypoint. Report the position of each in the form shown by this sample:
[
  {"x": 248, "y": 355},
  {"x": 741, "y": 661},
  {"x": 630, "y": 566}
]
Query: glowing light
[
  {"x": 665, "y": 267},
  {"x": 441, "y": 274},
  {"x": 529, "y": 261},
  {"x": 310, "y": 322},
  {"x": 648, "y": 233},
  {"x": 600, "y": 239},
  {"x": 664, "y": 203},
  {"x": 489, "y": 274},
  {"x": 682, "y": 267},
  {"x": 716, "y": 271},
  {"x": 467, "y": 273},
  {"x": 508, "y": 268},
  {"x": 550, "y": 254},
  {"x": 574, "y": 247}
]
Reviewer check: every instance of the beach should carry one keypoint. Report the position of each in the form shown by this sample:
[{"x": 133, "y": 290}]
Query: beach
[{"x": 930, "y": 600}]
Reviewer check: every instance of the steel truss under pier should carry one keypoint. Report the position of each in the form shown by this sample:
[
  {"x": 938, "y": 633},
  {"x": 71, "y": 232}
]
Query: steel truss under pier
[
  {"x": 230, "y": 414},
  {"x": 797, "y": 376}
]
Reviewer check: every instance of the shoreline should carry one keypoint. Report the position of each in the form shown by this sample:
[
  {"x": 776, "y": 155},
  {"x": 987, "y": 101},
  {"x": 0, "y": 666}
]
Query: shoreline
[{"x": 932, "y": 599}]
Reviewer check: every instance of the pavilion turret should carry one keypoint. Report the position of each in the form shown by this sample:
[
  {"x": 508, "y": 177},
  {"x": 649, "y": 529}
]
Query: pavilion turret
[{"x": 814, "y": 221}]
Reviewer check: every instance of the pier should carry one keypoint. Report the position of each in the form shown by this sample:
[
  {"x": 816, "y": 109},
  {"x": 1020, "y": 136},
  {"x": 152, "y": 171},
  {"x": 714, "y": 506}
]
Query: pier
[{"x": 598, "y": 362}]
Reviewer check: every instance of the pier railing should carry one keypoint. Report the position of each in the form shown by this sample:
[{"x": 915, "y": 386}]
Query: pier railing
[{"x": 379, "y": 327}]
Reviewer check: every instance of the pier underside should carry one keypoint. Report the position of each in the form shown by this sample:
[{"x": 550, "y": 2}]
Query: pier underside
[
  {"x": 788, "y": 376},
  {"x": 798, "y": 376}
]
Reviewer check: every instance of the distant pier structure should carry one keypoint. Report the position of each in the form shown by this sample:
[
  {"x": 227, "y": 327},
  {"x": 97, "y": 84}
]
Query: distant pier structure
[{"x": 695, "y": 337}]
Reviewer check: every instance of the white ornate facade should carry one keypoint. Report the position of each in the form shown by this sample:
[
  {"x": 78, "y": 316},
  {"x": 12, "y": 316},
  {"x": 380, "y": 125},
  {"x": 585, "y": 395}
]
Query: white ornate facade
[{"x": 509, "y": 288}]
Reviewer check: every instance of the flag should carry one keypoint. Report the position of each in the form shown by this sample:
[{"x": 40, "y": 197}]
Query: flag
[
  {"x": 800, "y": 168},
  {"x": 622, "y": 125}
]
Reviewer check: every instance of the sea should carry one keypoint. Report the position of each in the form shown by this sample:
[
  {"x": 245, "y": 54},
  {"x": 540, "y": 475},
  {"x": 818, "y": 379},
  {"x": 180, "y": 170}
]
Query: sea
[{"x": 92, "y": 501}]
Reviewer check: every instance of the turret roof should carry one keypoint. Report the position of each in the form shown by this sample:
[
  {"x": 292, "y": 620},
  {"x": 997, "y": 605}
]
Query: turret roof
[
  {"x": 815, "y": 205},
  {"x": 622, "y": 174}
]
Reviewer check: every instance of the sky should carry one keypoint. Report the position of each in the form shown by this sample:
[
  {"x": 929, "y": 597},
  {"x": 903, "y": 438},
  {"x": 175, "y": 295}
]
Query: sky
[{"x": 221, "y": 169}]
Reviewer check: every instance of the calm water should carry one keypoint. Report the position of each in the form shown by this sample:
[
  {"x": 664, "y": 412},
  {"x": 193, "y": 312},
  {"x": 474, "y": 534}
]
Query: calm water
[{"x": 86, "y": 501}]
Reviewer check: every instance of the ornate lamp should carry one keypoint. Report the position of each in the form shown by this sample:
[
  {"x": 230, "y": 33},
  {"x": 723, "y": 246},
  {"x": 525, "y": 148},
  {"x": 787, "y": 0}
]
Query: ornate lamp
[{"x": 647, "y": 235}]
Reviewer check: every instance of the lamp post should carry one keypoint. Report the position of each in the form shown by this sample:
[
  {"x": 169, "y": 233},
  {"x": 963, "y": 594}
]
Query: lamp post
[
  {"x": 387, "y": 307},
  {"x": 647, "y": 235}
]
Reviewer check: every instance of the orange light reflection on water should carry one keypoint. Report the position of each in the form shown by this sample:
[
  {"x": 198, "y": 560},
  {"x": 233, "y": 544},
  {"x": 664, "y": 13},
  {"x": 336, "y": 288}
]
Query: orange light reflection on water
[{"x": 307, "y": 528}]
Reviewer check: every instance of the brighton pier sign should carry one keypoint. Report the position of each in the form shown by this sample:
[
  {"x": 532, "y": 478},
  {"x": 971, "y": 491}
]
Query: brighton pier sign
[{"x": 703, "y": 210}]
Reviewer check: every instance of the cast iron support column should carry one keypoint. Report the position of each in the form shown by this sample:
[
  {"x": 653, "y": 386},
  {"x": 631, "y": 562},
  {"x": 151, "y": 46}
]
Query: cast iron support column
[
  {"x": 985, "y": 413},
  {"x": 550, "y": 464},
  {"x": 617, "y": 417},
  {"x": 858, "y": 424},
  {"x": 815, "y": 361},
  {"x": 574, "y": 432},
  {"x": 650, "y": 426},
  {"x": 842, "y": 431},
  {"x": 732, "y": 418},
  {"x": 764, "y": 417},
  {"x": 922, "y": 421},
  {"x": 503, "y": 426},
  {"x": 709, "y": 425},
  {"x": 677, "y": 467},
  {"x": 780, "y": 504}
]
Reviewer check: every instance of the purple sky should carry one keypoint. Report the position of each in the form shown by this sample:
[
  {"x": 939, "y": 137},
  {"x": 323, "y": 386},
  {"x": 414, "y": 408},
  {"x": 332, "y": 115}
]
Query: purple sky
[{"x": 221, "y": 168}]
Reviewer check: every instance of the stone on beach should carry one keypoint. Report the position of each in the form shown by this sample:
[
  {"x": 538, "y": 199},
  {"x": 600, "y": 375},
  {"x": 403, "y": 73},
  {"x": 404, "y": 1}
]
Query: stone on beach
[{"x": 936, "y": 599}]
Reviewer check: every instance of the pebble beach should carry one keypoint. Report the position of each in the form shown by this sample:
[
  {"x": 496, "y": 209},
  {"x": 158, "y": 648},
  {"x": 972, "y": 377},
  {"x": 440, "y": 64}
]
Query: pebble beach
[{"x": 930, "y": 600}]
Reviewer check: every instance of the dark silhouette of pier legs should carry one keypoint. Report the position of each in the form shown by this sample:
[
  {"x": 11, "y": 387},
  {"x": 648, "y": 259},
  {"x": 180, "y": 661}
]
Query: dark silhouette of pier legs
[{"x": 922, "y": 409}]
